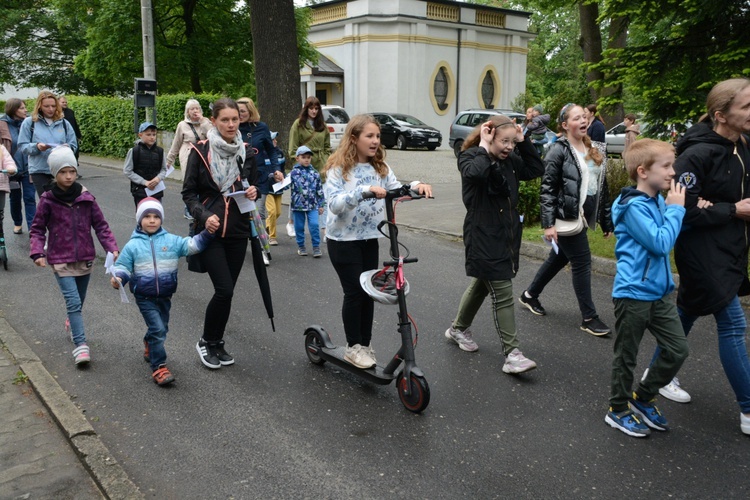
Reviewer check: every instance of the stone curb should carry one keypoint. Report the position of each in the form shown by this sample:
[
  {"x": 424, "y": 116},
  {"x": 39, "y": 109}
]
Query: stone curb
[{"x": 109, "y": 476}]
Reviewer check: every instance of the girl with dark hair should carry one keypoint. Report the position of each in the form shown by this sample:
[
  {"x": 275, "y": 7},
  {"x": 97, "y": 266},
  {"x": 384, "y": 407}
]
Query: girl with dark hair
[
  {"x": 574, "y": 184},
  {"x": 21, "y": 188},
  {"x": 357, "y": 168},
  {"x": 495, "y": 157},
  {"x": 217, "y": 167}
]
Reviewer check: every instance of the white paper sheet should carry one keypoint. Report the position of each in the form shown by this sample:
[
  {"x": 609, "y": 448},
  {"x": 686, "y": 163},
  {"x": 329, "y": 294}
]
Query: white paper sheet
[
  {"x": 109, "y": 264},
  {"x": 245, "y": 205},
  {"x": 157, "y": 189},
  {"x": 551, "y": 243},
  {"x": 169, "y": 171},
  {"x": 278, "y": 186}
]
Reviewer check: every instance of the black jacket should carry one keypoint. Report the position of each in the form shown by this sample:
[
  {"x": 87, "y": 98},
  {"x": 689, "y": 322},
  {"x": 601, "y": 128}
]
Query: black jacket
[
  {"x": 561, "y": 188},
  {"x": 711, "y": 251},
  {"x": 492, "y": 227},
  {"x": 204, "y": 199}
]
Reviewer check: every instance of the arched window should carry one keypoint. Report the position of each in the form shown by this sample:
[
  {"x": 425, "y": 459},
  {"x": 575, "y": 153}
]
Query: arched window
[
  {"x": 488, "y": 90},
  {"x": 442, "y": 86},
  {"x": 440, "y": 89}
]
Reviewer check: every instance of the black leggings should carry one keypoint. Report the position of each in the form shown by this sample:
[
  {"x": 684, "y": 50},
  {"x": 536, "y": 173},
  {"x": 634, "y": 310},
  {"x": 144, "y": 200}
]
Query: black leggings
[
  {"x": 223, "y": 261},
  {"x": 350, "y": 259},
  {"x": 40, "y": 182}
]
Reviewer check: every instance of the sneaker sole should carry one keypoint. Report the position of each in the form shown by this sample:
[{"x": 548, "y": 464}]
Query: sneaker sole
[
  {"x": 351, "y": 362},
  {"x": 596, "y": 334},
  {"x": 226, "y": 363},
  {"x": 206, "y": 363},
  {"x": 463, "y": 348},
  {"x": 164, "y": 382},
  {"x": 672, "y": 397},
  {"x": 528, "y": 306},
  {"x": 645, "y": 420},
  {"x": 515, "y": 371},
  {"x": 627, "y": 431},
  {"x": 82, "y": 361}
]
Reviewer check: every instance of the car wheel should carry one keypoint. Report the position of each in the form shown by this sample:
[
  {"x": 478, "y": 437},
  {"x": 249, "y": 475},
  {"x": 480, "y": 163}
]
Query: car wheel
[
  {"x": 401, "y": 142},
  {"x": 457, "y": 147},
  {"x": 431, "y": 148}
]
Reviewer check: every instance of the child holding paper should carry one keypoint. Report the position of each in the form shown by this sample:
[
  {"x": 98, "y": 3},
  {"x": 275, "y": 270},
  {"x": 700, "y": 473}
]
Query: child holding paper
[
  {"x": 145, "y": 164},
  {"x": 149, "y": 263},
  {"x": 69, "y": 212}
]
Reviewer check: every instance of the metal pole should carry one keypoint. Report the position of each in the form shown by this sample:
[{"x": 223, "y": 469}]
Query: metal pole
[{"x": 149, "y": 57}]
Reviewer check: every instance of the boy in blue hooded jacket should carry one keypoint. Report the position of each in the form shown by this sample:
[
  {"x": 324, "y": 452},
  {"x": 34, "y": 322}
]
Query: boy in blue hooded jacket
[
  {"x": 646, "y": 227},
  {"x": 149, "y": 262}
]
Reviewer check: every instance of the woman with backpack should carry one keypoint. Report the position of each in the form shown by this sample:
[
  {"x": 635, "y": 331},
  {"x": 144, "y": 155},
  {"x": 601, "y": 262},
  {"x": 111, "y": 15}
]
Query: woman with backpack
[{"x": 41, "y": 132}]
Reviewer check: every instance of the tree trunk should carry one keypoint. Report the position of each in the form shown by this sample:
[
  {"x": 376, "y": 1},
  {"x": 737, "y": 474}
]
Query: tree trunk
[
  {"x": 276, "y": 64},
  {"x": 188, "y": 9},
  {"x": 591, "y": 43},
  {"x": 618, "y": 37}
]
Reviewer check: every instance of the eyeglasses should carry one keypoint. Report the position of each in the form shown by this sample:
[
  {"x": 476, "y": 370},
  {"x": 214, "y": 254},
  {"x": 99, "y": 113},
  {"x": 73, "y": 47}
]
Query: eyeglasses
[{"x": 508, "y": 142}]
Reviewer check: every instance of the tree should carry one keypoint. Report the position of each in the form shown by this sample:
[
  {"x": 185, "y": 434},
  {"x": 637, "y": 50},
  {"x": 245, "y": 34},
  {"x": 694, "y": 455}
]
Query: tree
[{"x": 277, "y": 61}]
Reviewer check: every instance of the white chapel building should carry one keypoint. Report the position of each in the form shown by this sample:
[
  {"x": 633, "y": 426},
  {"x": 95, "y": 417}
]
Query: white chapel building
[{"x": 427, "y": 58}]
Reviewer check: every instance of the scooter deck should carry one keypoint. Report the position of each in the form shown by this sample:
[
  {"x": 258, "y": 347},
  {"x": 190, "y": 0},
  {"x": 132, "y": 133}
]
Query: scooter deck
[{"x": 375, "y": 374}]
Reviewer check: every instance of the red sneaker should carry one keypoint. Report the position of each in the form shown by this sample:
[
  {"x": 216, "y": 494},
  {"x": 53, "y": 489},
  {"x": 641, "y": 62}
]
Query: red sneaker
[
  {"x": 162, "y": 376},
  {"x": 146, "y": 355}
]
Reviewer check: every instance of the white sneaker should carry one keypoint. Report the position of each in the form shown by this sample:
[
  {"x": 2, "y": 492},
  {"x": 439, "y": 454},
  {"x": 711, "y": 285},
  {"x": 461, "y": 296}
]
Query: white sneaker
[
  {"x": 745, "y": 423},
  {"x": 290, "y": 230},
  {"x": 357, "y": 356},
  {"x": 462, "y": 338},
  {"x": 370, "y": 352},
  {"x": 672, "y": 390},
  {"x": 516, "y": 362}
]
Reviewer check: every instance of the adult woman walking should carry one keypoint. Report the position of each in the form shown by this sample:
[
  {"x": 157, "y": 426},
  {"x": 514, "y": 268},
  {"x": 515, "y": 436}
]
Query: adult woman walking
[
  {"x": 43, "y": 130},
  {"x": 258, "y": 135},
  {"x": 192, "y": 129},
  {"x": 309, "y": 129},
  {"x": 21, "y": 189},
  {"x": 711, "y": 252},
  {"x": 574, "y": 184},
  {"x": 490, "y": 173},
  {"x": 215, "y": 169}
]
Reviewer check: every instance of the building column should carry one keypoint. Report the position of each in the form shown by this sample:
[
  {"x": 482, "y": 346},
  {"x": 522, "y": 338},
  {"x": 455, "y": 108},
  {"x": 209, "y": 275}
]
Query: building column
[{"x": 310, "y": 88}]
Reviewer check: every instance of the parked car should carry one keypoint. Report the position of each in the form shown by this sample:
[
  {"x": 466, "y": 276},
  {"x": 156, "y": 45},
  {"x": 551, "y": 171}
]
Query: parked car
[
  {"x": 405, "y": 131},
  {"x": 465, "y": 122},
  {"x": 336, "y": 119},
  {"x": 615, "y": 139}
]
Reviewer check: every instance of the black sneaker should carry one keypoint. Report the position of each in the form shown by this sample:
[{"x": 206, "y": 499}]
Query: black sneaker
[
  {"x": 208, "y": 355},
  {"x": 224, "y": 357},
  {"x": 595, "y": 326},
  {"x": 532, "y": 304}
]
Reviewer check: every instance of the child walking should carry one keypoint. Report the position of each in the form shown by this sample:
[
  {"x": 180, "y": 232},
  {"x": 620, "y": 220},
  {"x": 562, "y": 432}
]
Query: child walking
[
  {"x": 149, "y": 263},
  {"x": 68, "y": 211},
  {"x": 145, "y": 164},
  {"x": 646, "y": 227},
  {"x": 307, "y": 200}
]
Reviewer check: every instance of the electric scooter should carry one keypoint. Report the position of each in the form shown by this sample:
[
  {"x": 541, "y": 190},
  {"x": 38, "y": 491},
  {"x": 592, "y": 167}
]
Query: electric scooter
[{"x": 411, "y": 384}]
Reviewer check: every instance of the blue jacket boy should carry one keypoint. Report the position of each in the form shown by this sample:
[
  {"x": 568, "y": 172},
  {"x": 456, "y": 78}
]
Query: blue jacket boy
[{"x": 307, "y": 189}]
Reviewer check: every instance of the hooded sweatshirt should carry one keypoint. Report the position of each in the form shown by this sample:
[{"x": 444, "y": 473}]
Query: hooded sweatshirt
[
  {"x": 711, "y": 251},
  {"x": 646, "y": 230}
]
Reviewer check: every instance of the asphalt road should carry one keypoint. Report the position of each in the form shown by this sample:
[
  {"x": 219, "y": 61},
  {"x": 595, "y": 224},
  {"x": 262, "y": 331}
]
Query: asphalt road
[{"x": 275, "y": 426}]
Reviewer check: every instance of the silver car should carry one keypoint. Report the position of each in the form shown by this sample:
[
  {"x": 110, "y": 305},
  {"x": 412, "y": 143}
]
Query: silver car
[
  {"x": 615, "y": 139},
  {"x": 465, "y": 122},
  {"x": 336, "y": 119}
]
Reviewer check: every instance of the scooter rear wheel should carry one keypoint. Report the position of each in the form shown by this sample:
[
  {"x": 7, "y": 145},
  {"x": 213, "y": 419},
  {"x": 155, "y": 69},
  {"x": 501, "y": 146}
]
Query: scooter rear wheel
[
  {"x": 313, "y": 344},
  {"x": 420, "y": 393}
]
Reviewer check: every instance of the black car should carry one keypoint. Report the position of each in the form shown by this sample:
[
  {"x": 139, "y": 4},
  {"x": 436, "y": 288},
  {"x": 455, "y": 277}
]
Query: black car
[{"x": 404, "y": 131}]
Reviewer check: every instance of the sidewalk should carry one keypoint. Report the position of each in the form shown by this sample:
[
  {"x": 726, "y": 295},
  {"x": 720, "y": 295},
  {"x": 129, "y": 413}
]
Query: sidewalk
[{"x": 37, "y": 460}]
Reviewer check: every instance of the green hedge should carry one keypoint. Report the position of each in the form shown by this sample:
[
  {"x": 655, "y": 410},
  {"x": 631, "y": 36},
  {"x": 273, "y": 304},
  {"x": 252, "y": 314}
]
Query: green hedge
[{"x": 107, "y": 122}]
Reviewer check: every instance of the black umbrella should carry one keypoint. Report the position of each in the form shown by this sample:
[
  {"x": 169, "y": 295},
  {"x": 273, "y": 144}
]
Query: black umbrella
[{"x": 262, "y": 275}]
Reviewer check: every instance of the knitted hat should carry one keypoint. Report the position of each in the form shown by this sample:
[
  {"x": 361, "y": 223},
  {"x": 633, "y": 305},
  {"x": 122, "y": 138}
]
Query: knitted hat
[
  {"x": 539, "y": 108},
  {"x": 61, "y": 157},
  {"x": 149, "y": 206}
]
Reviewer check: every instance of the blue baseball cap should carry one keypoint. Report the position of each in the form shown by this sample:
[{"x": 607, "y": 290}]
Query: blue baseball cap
[
  {"x": 303, "y": 150},
  {"x": 145, "y": 126}
]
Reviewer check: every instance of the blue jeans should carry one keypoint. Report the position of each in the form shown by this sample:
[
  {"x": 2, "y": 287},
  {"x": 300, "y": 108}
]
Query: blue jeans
[
  {"x": 312, "y": 224},
  {"x": 730, "y": 326},
  {"x": 28, "y": 195},
  {"x": 155, "y": 311},
  {"x": 73, "y": 289}
]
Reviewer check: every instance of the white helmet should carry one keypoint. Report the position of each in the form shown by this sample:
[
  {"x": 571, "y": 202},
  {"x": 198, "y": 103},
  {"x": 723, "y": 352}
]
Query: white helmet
[{"x": 380, "y": 284}]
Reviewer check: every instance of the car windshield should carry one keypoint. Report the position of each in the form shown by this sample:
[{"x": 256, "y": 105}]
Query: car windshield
[
  {"x": 336, "y": 115},
  {"x": 408, "y": 120}
]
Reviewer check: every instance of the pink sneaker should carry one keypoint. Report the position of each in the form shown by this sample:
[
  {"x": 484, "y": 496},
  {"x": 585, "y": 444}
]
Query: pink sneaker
[
  {"x": 516, "y": 362},
  {"x": 81, "y": 354}
]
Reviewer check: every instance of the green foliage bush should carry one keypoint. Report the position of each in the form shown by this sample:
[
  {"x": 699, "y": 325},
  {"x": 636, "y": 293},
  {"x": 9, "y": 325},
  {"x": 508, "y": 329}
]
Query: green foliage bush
[
  {"x": 528, "y": 201},
  {"x": 107, "y": 122}
]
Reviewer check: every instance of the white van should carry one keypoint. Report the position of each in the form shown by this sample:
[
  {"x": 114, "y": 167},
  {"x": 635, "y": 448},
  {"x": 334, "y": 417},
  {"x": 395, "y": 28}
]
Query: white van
[{"x": 336, "y": 119}]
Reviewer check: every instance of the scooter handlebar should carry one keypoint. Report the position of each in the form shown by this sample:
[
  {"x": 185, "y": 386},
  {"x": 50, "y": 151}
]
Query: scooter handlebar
[{"x": 408, "y": 260}]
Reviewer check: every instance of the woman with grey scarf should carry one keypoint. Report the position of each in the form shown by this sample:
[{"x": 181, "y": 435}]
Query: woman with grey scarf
[{"x": 216, "y": 168}]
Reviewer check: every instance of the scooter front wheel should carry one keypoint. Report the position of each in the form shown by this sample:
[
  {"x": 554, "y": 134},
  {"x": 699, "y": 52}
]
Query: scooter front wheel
[
  {"x": 313, "y": 344},
  {"x": 420, "y": 393}
]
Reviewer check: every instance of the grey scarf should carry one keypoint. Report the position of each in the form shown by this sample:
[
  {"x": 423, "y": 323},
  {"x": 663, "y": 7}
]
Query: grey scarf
[{"x": 224, "y": 167}]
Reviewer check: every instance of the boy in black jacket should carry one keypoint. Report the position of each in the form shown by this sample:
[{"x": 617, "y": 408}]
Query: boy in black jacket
[{"x": 145, "y": 164}]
